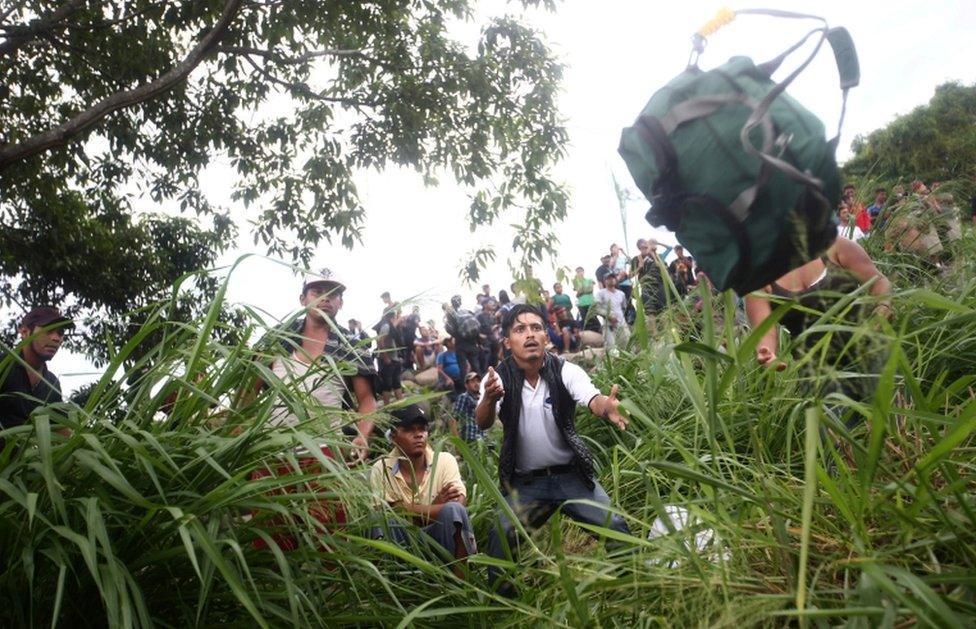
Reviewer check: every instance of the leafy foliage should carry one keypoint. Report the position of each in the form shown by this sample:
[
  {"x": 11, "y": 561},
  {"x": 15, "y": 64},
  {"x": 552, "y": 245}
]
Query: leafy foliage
[
  {"x": 142, "y": 517},
  {"x": 106, "y": 107},
  {"x": 935, "y": 142}
]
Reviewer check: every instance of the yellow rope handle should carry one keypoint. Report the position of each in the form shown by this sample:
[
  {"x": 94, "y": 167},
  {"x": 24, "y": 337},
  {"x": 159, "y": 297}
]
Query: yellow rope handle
[{"x": 723, "y": 17}]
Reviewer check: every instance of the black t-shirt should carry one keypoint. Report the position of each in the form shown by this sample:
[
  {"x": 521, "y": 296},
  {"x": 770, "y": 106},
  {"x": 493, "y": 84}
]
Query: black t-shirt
[
  {"x": 18, "y": 398},
  {"x": 601, "y": 272},
  {"x": 688, "y": 277},
  {"x": 486, "y": 319},
  {"x": 408, "y": 329}
]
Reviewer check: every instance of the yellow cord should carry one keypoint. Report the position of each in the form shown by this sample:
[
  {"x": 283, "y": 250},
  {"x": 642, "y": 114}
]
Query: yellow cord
[{"x": 723, "y": 17}]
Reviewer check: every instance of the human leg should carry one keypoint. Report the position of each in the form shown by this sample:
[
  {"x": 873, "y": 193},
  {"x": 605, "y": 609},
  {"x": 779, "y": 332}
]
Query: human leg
[
  {"x": 451, "y": 526},
  {"x": 530, "y": 502},
  {"x": 396, "y": 373},
  {"x": 572, "y": 488},
  {"x": 609, "y": 336},
  {"x": 623, "y": 335}
]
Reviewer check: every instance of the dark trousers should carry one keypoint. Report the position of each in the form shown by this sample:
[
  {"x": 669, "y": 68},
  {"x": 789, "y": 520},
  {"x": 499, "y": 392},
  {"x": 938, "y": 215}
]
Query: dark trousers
[
  {"x": 469, "y": 359},
  {"x": 534, "y": 500},
  {"x": 593, "y": 323},
  {"x": 630, "y": 313},
  {"x": 452, "y": 518}
]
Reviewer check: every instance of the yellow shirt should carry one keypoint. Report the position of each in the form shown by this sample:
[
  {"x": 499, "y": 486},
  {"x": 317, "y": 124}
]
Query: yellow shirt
[{"x": 388, "y": 480}]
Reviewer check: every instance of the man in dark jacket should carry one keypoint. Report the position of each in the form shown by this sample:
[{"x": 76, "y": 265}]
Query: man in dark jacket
[
  {"x": 466, "y": 339},
  {"x": 543, "y": 464},
  {"x": 28, "y": 383}
]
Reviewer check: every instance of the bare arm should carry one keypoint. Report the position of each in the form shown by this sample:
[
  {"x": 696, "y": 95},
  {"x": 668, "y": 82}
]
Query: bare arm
[
  {"x": 851, "y": 256},
  {"x": 757, "y": 311},
  {"x": 363, "y": 390},
  {"x": 484, "y": 413},
  {"x": 450, "y": 493}
]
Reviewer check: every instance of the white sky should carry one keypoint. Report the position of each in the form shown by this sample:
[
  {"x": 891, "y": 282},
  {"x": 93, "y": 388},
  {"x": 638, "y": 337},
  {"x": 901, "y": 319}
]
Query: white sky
[{"x": 617, "y": 53}]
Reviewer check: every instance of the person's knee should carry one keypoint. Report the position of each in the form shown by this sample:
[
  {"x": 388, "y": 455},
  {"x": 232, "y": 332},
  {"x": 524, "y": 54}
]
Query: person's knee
[{"x": 453, "y": 512}]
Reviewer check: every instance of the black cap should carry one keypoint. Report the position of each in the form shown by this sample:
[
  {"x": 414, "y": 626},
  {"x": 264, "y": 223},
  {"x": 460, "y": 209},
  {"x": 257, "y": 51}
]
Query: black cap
[
  {"x": 408, "y": 415},
  {"x": 44, "y": 316}
]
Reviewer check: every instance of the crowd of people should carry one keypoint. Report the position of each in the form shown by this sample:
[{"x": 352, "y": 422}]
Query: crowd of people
[
  {"x": 604, "y": 303},
  {"x": 495, "y": 364},
  {"x": 921, "y": 220}
]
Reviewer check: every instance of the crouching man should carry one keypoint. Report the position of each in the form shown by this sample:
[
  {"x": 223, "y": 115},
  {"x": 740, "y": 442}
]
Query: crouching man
[
  {"x": 424, "y": 487},
  {"x": 543, "y": 465}
]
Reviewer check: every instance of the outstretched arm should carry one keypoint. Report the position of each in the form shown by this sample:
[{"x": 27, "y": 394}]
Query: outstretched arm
[
  {"x": 757, "y": 311},
  {"x": 852, "y": 256},
  {"x": 608, "y": 407}
]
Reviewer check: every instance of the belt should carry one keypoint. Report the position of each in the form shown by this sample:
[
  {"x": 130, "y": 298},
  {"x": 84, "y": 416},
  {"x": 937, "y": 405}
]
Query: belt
[{"x": 552, "y": 470}]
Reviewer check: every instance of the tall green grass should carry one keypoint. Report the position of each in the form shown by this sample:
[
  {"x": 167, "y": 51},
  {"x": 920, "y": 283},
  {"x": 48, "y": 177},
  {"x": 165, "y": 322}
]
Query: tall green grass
[{"x": 143, "y": 518}]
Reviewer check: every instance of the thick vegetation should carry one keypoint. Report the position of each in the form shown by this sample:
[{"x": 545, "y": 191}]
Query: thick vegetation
[
  {"x": 112, "y": 109},
  {"x": 147, "y": 514},
  {"x": 934, "y": 142}
]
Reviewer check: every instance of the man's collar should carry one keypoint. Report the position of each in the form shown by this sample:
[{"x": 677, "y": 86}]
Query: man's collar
[{"x": 394, "y": 457}]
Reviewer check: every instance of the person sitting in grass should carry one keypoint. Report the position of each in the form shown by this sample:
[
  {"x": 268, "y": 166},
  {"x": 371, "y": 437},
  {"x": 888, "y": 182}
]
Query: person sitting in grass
[
  {"x": 424, "y": 487},
  {"x": 544, "y": 465},
  {"x": 566, "y": 329}
]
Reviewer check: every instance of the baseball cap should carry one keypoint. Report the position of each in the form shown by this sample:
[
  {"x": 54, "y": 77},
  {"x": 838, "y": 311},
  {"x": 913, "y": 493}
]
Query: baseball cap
[
  {"x": 45, "y": 315},
  {"x": 324, "y": 275},
  {"x": 408, "y": 415},
  {"x": 470, "y": 374}
]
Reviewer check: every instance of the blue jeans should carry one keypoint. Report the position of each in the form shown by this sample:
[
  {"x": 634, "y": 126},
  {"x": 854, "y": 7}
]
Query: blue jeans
[
  {"x": 452, "y": 518},
  {"x": 534, "y": 500}
]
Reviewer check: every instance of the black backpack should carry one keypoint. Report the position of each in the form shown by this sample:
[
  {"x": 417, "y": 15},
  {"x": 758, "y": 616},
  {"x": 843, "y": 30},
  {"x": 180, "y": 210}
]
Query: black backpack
[{"x": 466, "y": 325}]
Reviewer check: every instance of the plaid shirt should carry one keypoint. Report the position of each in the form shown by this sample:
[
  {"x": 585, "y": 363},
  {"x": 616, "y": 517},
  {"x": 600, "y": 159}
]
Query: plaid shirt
[{"x": 464, "y": 414}]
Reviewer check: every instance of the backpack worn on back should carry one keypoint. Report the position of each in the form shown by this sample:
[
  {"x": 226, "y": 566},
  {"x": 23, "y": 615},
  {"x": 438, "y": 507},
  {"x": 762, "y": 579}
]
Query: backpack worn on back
[
  {"x": 466, "y": 325},
  {"x": 739, "y": 170}
]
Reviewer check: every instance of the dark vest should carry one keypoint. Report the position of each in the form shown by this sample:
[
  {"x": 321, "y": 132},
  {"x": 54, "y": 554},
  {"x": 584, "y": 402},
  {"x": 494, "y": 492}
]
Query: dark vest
[{"x": 563, "y": 409}]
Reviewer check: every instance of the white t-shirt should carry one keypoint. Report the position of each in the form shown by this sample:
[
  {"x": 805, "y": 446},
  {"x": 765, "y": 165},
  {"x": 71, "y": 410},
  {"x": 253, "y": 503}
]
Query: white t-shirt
[
  {"x": 611, "y": 303},
  {"x": 320, "y": 382},
  {"x": 851, "y": 231},
  {"x": 540, "y": 444}
]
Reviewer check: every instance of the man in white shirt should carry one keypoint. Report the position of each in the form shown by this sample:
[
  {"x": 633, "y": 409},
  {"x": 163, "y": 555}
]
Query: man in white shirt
[
  {"x": 610, "y": 303},
  {"x": 848, "y": 228},
  {"x": 543, "y": 465}
]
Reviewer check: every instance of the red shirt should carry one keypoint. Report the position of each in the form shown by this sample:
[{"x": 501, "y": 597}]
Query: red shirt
[{"x": 861, "y": 217}]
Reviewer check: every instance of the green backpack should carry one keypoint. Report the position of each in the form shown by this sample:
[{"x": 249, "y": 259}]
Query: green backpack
[{"x": 739, "y": 170}]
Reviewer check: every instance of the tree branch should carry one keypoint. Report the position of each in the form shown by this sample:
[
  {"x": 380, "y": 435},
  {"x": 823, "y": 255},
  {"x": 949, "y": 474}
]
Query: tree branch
[
  {"x": 308, "y": 92},
  {"x": 122, "y": 20},
  {"x": 64, "y": 132},
  {"x": 273, "y": 56},
  {"x": 20, "y": 35}
]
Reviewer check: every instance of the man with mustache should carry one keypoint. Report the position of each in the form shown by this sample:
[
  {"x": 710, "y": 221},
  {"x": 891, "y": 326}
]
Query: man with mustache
[
  {"x": 28, "y": 383},
  {"x": 543, "y": 466}
]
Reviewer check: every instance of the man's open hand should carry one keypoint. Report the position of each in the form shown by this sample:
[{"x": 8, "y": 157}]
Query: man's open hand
[{"x": 611, "y": 411}]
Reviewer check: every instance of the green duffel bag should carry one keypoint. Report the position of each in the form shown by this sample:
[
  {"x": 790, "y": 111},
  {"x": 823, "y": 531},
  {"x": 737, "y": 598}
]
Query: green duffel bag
[{"x": 739, "y": 170}]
